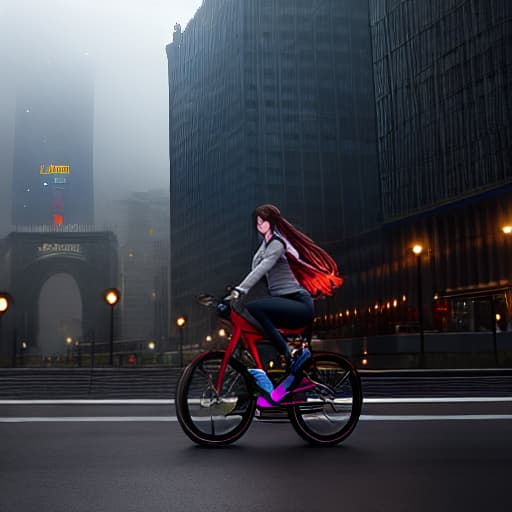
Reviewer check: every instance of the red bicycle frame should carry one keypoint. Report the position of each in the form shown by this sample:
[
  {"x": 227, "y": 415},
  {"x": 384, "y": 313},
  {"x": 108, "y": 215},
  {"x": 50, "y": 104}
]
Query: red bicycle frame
[{"x": 249, "y": 334}]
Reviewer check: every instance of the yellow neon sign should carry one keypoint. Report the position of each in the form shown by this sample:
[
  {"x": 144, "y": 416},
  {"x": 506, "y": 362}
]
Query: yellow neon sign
[{"x": 54, "y": 169}]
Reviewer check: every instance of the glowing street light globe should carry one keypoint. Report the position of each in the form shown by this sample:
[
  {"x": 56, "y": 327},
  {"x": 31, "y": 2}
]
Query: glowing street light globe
[
  {"x": 111, "y": 296},
  {"x": 417, "y": 249},
  {"x": 507, "y": 230},
  {"x": 181, "y": 321},
  {"x": 4, "y": 304}
]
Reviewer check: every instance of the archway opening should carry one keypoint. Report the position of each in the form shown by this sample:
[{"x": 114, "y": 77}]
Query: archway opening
[{"x": 60, "y": 315}]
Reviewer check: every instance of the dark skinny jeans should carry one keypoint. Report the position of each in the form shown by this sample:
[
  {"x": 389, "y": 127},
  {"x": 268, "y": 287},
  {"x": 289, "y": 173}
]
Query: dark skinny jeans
[{"x": 291, "y": 311}]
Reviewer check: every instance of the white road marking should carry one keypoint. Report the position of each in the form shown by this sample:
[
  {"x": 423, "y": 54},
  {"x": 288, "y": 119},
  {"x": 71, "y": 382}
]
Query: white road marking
[
  {"x": 437, "y": 400},
  {"x": 435, "y": 417},
  {"x": 88, "y": 401},
  {"x": 155, "y": 419},
  {"x": 143, "y": 401},
  {"x": 88, "y": 419}
]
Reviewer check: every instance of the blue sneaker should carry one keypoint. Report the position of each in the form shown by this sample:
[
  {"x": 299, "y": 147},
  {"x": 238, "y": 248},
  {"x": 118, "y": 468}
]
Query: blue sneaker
[
  {"x": 262, "y": 380},
  {"x": 300, "y": 357}
]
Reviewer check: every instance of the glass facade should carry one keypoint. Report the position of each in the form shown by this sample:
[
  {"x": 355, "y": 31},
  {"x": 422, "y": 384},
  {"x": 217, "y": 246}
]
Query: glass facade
[
  {"x": 271, "y": 101},
  {"x": 443, "y": 84},
  {"x": 442, "y": 72}
]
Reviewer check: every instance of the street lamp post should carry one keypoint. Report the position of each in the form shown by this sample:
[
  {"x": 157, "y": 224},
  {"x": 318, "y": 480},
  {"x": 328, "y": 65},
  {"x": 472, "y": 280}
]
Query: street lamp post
[
  {"x": 417, "y": 250},
  {"x": 181, "y": 321},
  {"x": 69, "y": 340},
  {"x": 78, "y": 353},
  {"x": 111, "y": 297},
  {"x": 5, "y": 304},
  {"x": 23, "y": 347}
]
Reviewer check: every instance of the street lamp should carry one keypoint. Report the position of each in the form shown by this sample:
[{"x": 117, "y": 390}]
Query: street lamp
[
  {"x": 69, "y": 340},
  {"x": 181, "y": 321},
  {"x": 5, "y": 304},
  {"x": 417, "y": 250},
  {"x": 78, "y": 353},
  {"x": 111, "y": 297},
  {"x": 24, "y": 346}
]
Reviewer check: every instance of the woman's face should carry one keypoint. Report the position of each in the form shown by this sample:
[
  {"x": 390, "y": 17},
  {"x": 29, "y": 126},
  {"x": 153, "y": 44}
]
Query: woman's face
[{"x": 263, "y": 226}]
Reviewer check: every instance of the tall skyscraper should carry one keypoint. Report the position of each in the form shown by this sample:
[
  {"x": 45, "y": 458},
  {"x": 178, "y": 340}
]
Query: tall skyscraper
[
  {"x": 271, "y": 101},
  {"x": 53, "y": 154},
  {"x": 443, "y": 95}
]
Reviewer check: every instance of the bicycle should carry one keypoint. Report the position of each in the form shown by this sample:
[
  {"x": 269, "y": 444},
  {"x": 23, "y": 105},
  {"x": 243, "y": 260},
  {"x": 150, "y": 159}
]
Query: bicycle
[{"x": 217, "y": 398}]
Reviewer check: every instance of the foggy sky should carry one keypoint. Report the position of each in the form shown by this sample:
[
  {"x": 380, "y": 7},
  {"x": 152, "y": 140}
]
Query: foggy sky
[{"x": 126, "y": 41}]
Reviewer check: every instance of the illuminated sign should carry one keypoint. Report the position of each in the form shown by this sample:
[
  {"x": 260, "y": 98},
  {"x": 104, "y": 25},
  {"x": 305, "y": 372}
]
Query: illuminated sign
[
  {"x": 54, "y": 169},
  {"x": 53, "y": 248}
]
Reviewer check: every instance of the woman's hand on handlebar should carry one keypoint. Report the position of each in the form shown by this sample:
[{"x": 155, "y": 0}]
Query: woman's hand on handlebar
[{"x": 234, "y": 294}]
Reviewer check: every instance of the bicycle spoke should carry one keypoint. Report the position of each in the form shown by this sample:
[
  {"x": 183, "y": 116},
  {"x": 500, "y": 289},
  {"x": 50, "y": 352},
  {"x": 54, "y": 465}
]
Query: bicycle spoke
[
  {"x": 210, "y": 415},
  {"x": 333, "y": 405}
]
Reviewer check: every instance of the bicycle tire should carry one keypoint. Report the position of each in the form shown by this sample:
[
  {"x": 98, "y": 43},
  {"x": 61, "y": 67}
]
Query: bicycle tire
[
  {"x": 209, "y": 418},
  {"x": 332, "y": 412}
]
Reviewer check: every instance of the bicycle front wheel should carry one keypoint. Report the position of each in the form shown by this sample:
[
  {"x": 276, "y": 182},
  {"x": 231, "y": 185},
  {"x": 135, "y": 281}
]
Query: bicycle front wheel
[
  {"x": 209, "y": 416},
  {"x": 329, "y": 412}
]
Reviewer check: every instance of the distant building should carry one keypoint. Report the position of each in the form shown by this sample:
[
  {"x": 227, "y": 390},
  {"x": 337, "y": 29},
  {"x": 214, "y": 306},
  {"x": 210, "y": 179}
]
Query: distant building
[
  {"x": 53, "y": 154},
  {"x": 144, "y": 262},
  {"x": 271, "y": 101}
]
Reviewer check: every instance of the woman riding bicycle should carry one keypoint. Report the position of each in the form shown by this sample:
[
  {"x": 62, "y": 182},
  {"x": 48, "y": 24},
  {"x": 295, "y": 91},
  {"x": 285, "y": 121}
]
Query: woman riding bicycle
[{"x": 297, "y": 270}]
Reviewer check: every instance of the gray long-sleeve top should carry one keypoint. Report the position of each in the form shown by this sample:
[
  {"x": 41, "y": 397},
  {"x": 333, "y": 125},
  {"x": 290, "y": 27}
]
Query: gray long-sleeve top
[{"x": 270, "y": 261}]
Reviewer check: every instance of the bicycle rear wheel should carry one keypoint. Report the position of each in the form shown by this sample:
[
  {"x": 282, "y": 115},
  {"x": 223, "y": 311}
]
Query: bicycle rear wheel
[
  {"x": 332, "y": 408},
  {"x": 210, "y": 417}
]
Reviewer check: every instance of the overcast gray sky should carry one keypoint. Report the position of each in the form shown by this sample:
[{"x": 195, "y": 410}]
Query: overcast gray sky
[{"x": 126, "y": 40}]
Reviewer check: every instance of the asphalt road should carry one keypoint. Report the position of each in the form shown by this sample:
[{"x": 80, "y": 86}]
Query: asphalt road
[{"x": 449, "y": 456}]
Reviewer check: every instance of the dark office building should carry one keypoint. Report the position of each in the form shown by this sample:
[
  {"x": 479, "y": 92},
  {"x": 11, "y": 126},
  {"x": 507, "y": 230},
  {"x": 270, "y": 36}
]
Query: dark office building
[
  {"x": 271, "y": 101},
  {"x": 53, "y": 154},
  {"x": 443, "y": 89}
]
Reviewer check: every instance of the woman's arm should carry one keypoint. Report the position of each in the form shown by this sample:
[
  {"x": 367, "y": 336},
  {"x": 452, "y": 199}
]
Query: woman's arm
[{"x": 274, "y": 250}]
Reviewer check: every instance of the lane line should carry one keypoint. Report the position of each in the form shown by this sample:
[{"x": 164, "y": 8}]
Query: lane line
[
  {"x": 436, "y": 417},
  {"x": 144, "y": 401},
  {"x": 89, "y": 419},
  {"x": 90, "y": 401},
  {"x": 155, "y": 419},
  {"x": 437, "y": 400}
]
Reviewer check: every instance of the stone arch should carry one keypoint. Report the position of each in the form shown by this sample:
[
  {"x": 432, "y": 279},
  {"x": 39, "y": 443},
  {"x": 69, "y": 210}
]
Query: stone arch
[
  {"x": 89, "y": 258},
  {"x": 59, "y": 313},
  {"x": 36, "y": 274}
]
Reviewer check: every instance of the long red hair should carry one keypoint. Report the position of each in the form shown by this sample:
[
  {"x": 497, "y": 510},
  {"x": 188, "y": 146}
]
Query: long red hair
[{"x": 315, "y": 270}]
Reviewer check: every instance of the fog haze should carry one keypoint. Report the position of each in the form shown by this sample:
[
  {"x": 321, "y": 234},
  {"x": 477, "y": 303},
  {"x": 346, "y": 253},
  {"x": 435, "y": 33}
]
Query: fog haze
[{"x": 125, "y": 41}]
